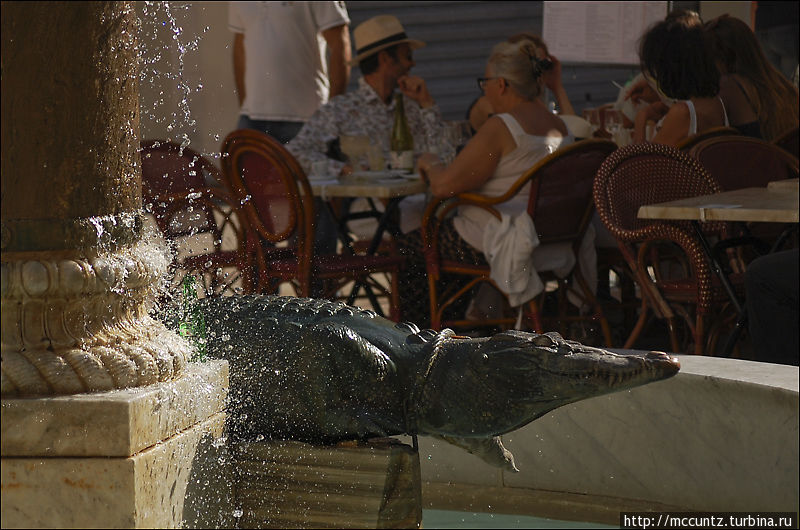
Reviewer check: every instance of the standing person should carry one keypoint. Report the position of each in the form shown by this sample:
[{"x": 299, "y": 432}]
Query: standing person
[
  {"x": 279, "y": 64},
  {"x": 384, "y": 54}
]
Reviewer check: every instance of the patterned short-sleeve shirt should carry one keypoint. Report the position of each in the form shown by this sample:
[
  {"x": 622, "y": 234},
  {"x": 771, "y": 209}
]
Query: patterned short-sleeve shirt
[{"x": 362, "y": 112}]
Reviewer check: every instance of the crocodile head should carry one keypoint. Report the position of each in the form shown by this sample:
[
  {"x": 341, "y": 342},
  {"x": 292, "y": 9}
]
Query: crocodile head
[{"x": 489, "y": 386}]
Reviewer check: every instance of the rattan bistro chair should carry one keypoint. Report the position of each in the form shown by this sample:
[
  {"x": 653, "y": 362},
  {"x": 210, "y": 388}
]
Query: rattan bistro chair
[
  {"x": 648, "y": 173},
  {"x": 738, "y": 162},
  {"x": 743, "y": 162},
  {"x": 789, "y": 142},
  {"x": 560, "y": 204},
  {"x": 203, "y": 224},
  {"x": 690, "y": 141},
  {"x": 277, "y": 199}
]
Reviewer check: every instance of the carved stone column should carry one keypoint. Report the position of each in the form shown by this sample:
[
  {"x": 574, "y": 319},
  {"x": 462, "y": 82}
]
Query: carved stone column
[{"x": 77, "y": 271}]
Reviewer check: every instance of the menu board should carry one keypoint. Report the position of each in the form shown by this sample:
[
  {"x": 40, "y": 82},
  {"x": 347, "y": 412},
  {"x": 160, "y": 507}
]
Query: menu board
[{"x": 598, "y": 32}]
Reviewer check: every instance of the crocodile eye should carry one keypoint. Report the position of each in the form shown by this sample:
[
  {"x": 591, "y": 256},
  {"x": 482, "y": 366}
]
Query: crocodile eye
[{"x": 543, "y": 340}]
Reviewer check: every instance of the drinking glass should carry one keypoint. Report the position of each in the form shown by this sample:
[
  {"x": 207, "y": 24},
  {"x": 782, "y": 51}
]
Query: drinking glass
[
  {"x": 593, "y": 117},
  {"x": 355, "y": 148},
  {"x": 613, "y": 121},
  {"x": 377, "y": 162}
]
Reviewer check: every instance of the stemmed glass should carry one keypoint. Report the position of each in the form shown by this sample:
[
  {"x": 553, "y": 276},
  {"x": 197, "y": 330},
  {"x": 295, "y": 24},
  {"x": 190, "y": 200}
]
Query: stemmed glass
[
  {"x": 593, "y": 117},
  {"x": 613, "y": 121}
]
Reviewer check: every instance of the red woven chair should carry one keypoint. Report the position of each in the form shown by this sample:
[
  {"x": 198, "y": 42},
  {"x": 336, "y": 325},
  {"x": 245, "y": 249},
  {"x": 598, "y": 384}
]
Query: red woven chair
[
  {"x": 277, "y": 199},
  {"x": 738, "y": 162},
  {"x": 714, "y": 132},
  {"x": 202, "y": 223},
  {"x": 789, "y": 142},
  {"x": 649, "y": 173},
  {"x": 743, "y": 162},
  {"x": 560, "y": 204}
]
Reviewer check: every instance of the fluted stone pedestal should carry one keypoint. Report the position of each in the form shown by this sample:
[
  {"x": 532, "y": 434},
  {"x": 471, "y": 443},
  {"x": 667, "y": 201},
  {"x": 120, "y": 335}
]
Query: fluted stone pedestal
[
  {"x": 148, "y": 457},
  {"x": 373, "y": 484}
]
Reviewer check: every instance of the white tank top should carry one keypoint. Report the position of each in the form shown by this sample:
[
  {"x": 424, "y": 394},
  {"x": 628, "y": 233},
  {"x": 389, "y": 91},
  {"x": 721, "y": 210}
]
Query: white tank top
[
  {"x": 471, "y": 221},
  {"x": 693, "y": 116}
]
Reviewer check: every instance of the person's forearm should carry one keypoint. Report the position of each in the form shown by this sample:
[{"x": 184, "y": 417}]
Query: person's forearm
[
  {"x": 338, "y": 40},
  {"x": 652, "y": 112},
  {"x": 238, "y": 66}
]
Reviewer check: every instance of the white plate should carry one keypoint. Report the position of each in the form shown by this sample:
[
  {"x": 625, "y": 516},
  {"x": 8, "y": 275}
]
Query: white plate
[
  {"x": 315, "y": 178},
  {"x": 385, "y": 174}
]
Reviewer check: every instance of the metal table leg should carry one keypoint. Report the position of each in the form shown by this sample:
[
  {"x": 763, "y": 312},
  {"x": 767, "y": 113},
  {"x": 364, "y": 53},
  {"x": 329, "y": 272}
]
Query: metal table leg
[{"x": 723, "y": 278}]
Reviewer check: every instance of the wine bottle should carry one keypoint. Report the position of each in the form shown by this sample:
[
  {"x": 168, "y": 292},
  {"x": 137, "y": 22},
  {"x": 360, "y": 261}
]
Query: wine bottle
[{"x": 402, "y": 143}]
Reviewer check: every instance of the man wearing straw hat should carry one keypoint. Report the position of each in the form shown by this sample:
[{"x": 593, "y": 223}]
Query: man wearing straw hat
[{"x": 384, "y": 56}]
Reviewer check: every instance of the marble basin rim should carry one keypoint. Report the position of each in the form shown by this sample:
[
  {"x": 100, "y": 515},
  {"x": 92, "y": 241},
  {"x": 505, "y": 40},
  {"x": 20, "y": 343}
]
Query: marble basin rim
[{"x": 722, "y": 435}]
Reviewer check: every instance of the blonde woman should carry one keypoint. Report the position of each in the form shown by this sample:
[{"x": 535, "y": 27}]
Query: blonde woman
[
  {"x": 481, "y": 109},
  {"x": 521, "y": 132}
]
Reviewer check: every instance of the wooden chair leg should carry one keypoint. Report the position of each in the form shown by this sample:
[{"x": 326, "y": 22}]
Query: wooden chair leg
[
  {"x": 535, "y": 316},
  {"x": 673, "y": 334},
  {"x": 637, "y": 329},
  {"x": 596, "y": 308},
  {"x": 699, "y": 333}
]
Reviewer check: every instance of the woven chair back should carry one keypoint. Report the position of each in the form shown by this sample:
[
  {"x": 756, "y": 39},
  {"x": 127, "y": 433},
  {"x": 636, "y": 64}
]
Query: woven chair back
[
  {"x": 738, "y": 162},
  {"x": 690, "y": 141},
  {"x": 264, "y": 177},
  {"x": 789, "y": 142},
  {"x": 641, "y": 174},
  {"x": 560, "y": 200}
]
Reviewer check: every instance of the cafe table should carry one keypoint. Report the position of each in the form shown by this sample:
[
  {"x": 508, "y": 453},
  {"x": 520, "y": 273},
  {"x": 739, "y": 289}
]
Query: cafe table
[
  {"x": 777, "y": 203},
  {"x": 389, "y": 186}
]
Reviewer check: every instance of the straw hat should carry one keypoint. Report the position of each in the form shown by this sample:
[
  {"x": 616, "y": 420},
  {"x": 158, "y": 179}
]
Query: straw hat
[{"x": 378, "y": 33}]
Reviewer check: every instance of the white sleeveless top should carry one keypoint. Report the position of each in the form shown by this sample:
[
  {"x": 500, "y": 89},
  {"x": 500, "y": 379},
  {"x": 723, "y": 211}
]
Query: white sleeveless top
[
  {"x": 693, "y": 116},
  {"x": 470, "y": 221}
]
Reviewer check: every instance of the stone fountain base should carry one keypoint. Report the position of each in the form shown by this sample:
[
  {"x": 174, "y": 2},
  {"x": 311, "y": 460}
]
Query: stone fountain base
[
  {"x": 149, "y": 457},
  {"x": 373, "y": 484}
]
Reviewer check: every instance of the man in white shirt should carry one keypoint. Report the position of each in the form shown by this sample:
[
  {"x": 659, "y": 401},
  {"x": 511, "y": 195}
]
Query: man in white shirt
[{"x": 279, "y": 61}]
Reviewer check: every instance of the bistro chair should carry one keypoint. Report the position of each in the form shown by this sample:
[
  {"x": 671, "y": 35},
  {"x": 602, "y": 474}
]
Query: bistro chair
[
  {"x": 743, "y": 162},
  {"x": 202, "y": 224},
  {"x": 560, "y": 205},
  {"x": 649, "y": 173},
  {"x": 789, "y": 142},
  {"x": 279, "y": 204},
  {"x": 690, "y": 141}
]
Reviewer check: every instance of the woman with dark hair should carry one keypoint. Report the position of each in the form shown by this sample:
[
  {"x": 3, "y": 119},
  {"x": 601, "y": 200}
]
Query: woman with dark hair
[
  {"x": 674, "y": 55},
  {"x": 760, "y": 101}
]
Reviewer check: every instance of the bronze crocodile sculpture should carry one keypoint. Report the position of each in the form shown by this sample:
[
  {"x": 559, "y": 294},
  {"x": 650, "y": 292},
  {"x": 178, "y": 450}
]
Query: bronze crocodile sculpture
[{"x": 322, "y": 372}]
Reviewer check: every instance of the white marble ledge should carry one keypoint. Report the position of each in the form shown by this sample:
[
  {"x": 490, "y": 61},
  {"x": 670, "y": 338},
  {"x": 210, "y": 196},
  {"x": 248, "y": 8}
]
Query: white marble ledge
[
  {"x": 721, "y": 435},
  {"x": 759, "y": 373},
  {"x": 117, "y": 423},
  {"x": 180, "y": 483}
]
